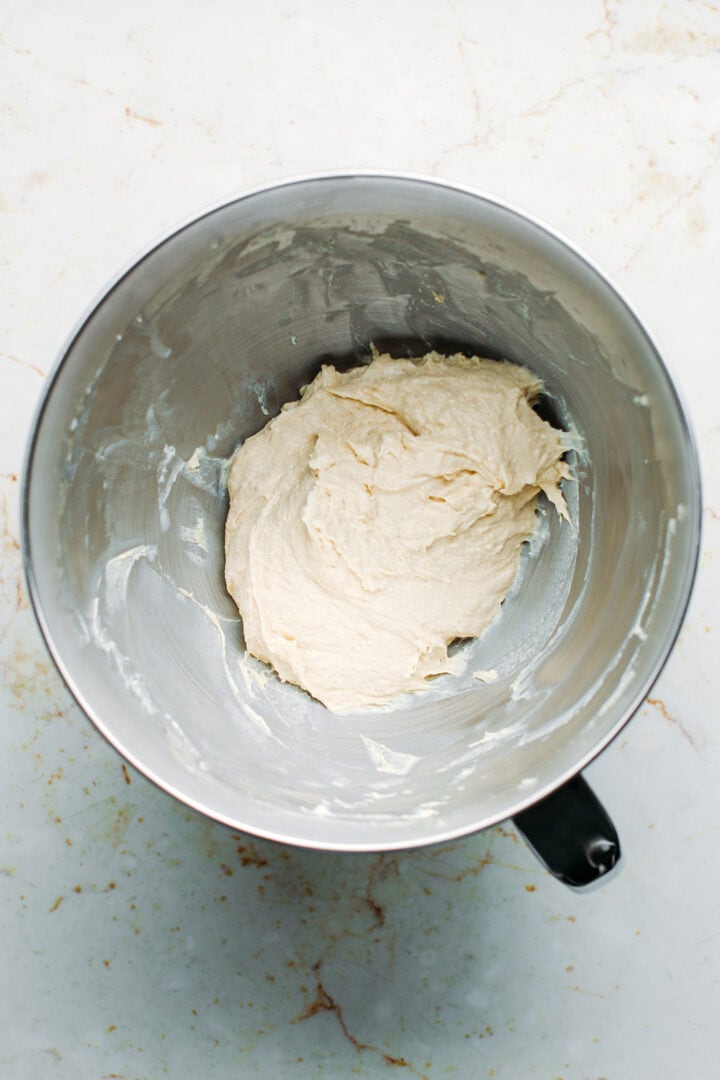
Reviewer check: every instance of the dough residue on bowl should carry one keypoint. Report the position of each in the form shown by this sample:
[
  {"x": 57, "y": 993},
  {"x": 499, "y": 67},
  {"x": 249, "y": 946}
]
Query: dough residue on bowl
[{"x": 381, "y": 517}]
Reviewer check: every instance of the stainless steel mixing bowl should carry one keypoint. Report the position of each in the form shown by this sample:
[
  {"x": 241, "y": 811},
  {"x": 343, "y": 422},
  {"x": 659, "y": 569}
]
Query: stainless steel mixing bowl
[{"x": 202, "y": 339}]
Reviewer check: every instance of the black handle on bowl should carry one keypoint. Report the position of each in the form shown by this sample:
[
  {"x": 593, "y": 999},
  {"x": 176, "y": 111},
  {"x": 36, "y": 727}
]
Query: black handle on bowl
[{"x": 571, "y": 834}]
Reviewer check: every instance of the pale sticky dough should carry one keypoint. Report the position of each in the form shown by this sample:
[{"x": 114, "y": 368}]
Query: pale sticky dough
[{"x": 382, "y": 516}]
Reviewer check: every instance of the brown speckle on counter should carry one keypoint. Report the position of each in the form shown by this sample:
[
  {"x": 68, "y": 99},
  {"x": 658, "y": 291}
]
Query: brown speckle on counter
[
  {"x": 658, "y": 704},
  {"x": 588, "y": 993},
  {"x": 117, "y": 822},
  {"x": 508, "y": 834},
  {"x": 25, "y": 364},
  {"x": 57, "y": 903},
  {"x": 249, "y": 855},
  {"x": 378, "y": 870},
  {"x": 132, "y": 115},
  {"x": 474, "y": 869},
  {"x": 34, "y": 686},
  {"x": 323, "y": 1002},
  {"x": 126, "y": 774}
]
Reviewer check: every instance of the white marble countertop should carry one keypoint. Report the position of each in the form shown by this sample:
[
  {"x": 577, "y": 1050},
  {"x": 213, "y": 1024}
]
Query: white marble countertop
[{"x": 140, "y": 940}]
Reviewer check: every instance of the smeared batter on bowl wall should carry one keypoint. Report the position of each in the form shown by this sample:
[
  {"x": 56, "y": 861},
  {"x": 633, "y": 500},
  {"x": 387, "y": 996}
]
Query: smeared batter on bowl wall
[{"x": 381, "y": 516}]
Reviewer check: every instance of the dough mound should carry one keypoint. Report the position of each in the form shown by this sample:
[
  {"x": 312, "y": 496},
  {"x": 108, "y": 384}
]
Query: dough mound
[{"x": 382, "y": 516}]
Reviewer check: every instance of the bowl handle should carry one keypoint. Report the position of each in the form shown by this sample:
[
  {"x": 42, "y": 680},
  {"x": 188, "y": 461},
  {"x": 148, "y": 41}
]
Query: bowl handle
[{"x": 571, "y": 834}]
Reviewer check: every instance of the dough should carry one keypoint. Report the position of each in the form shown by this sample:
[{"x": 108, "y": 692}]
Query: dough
[{"x": 382, "y": 516}]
